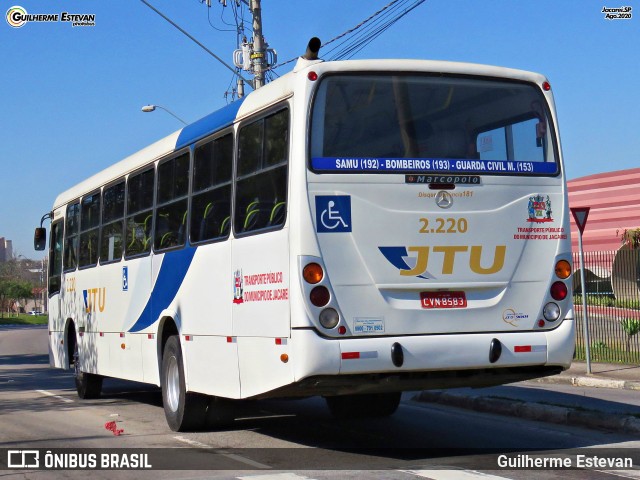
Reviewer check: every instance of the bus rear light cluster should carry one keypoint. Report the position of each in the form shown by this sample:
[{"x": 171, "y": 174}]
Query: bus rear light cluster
[
  {"x": 320, "y": 297},
  {"x": 558, "y": 291}
]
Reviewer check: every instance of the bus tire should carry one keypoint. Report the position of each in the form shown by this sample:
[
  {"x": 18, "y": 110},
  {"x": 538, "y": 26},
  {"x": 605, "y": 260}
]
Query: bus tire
[
  {"x": 184, "y": 411},
  {"x": 88, "y": 385},
  {"x": 364, "y": 405}
]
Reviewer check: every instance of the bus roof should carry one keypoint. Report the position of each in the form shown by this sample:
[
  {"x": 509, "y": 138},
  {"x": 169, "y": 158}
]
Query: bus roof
[{"x": 270, "y": 93}]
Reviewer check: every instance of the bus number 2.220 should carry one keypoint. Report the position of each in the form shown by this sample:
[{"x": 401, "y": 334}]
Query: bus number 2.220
[{"x": 443, "y": 225}]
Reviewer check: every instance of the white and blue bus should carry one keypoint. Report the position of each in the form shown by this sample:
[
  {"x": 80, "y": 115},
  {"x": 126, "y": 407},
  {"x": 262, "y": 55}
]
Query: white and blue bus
[{"x": 353, "y": 230}]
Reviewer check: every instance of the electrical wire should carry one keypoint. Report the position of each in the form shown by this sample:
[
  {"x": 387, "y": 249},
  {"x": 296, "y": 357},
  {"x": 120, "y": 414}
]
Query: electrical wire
[
  {"x": 193, "y": 39},
  {"x": 355, "y": 41}
]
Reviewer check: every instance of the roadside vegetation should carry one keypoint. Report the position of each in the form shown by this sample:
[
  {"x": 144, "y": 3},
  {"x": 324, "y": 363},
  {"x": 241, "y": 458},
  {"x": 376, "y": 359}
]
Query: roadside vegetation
[
  {"x": 607, "y": 301},
  {"x": 23, "y": 319}
]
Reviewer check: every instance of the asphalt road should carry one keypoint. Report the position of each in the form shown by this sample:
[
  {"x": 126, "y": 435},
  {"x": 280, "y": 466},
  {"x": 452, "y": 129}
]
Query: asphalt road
[{"x": 273, "y": 440}]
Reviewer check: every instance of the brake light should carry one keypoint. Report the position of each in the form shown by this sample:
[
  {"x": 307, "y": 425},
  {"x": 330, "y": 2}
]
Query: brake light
[
  {"x": 320, "y": 296},
  {"x": 558, "y": 291}
]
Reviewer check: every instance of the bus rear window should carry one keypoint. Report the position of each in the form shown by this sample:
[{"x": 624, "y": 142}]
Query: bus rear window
[{"x": 412, "y": 123}]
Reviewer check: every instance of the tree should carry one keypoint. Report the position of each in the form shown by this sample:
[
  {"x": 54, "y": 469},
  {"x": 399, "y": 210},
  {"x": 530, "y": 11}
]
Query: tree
[
  {"x": 631, "y": 327},
  {"x": 631, "y": 237},
  {"x": 11, "y": 291}
]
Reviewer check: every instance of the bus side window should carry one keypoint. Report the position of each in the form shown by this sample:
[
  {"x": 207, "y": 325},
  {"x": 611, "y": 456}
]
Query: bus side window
[
  {"x": 111, "y": 234},
  {"x": 90, "y": 225},
  {"x": 261, "y": 184},
  {"x": 72, "y": 229},
  {"x": 171, "y": 203},
  {"x": 55, "y": 257},
  {"x": 139, "y": 213},
  {"x": 211, "y": 203}
]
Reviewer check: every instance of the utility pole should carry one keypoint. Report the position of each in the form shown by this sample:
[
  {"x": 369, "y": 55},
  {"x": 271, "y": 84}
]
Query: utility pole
[
  {"x": 254, "y": 56},
  {"x": 258, "y": 56}
]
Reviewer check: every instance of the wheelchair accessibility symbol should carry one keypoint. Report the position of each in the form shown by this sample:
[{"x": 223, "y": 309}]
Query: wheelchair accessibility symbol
[{"x": 333, "y": 213}]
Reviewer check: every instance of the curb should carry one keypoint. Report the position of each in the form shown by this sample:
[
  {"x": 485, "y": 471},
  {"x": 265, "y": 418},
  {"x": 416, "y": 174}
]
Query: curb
[
  {"x": 536, "y": 411},
  {"x": 589, "y": 381}
]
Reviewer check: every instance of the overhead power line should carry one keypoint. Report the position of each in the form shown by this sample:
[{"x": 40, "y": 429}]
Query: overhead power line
[
  {"x": 356, "y": 41},
  {"x": 184, "y": 32},
  {"x": 368, "y": 30}
]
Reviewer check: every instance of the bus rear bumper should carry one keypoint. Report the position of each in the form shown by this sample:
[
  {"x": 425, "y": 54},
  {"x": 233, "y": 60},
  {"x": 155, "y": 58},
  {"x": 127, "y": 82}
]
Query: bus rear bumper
[{"x": 364, "y": 365}]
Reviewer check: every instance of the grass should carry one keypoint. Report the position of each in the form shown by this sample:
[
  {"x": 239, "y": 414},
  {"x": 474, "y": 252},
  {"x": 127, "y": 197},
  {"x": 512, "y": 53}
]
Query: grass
[
  {"x": 607, "y": 301},
  {"x": 24, "y": 319},
  {"x": 602, "y": 353}
]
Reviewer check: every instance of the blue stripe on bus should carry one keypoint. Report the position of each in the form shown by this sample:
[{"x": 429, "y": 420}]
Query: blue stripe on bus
[
  {"x": 209, "y": 124},
  {"x": 172, "y": 272}
]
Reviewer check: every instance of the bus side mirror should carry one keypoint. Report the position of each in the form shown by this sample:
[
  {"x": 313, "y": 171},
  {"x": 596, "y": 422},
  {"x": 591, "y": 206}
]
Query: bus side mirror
[{"x": 40, "y": 238}]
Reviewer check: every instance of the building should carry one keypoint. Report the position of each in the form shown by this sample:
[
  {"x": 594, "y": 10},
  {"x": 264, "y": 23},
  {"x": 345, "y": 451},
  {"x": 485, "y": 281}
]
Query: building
[
  {"x": 6, "y": 250},
  {"x": 614, "y": 201}
]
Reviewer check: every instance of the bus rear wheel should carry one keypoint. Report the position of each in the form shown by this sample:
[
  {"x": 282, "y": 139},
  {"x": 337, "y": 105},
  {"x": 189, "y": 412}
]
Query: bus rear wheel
[
  {"x": 184, "y": 411},
  {"x": 88, "y": 385},
  {"x": 364, "y": 405}
]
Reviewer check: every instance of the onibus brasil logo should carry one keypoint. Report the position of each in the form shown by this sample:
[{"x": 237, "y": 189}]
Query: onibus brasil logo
[{"x": 17, "y": 17}]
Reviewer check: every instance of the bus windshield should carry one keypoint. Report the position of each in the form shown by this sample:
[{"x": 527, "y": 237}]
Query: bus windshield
[{"x": 419, "y": 123}]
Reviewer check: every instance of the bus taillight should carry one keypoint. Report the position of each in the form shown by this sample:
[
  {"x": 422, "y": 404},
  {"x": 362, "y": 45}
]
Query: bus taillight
[
  {"x": 320, "y": 296},
  {"x": 559, "y": 291}
]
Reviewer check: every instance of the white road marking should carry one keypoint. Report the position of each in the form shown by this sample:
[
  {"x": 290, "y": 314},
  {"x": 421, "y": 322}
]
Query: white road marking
[
  {"x": 275, "y": 476},
  {"x": 221, "y": 452},
  {"x": 49, "y": 394},
  {"x": 453, "y": 475},
  {"x": 622, "y": 473}
]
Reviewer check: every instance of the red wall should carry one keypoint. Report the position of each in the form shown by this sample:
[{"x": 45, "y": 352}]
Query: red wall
[{"x": 614, "y": 198}]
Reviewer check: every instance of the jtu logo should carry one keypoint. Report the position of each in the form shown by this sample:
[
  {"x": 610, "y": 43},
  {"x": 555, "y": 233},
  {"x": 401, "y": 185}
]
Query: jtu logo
[{"x": 94, "y": 297}]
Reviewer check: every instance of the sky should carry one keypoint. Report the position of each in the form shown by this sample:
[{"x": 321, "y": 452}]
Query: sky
[{"x": 72, "y": 96}]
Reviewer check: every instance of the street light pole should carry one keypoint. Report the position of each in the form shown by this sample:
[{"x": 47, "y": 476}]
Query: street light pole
[{"x": 151, "y": 108}]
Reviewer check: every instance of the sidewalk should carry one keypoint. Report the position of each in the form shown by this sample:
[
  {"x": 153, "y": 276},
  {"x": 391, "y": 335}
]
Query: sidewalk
[
  {"x": 603, "y": 375},
  {"x": 608, "y": 399}
]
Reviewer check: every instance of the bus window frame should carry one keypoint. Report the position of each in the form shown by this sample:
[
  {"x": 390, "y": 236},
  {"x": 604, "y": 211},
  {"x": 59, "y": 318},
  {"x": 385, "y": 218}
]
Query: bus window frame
[
  {"x": 105, "y": 187},
  {"x": 64, "y": 241},
  {"x": 262, "y": 116},
  {"x": 152, "y": 167},
  {"x": 231, "y": 183},
  {"x": 98, "y": 192},
  {"x": 55, "y": 223},
  {"x": 168, "y": 158}
]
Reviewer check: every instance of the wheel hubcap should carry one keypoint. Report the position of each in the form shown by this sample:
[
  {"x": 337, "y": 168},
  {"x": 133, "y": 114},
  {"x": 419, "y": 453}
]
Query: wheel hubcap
[{"x": 173, "y": 384}]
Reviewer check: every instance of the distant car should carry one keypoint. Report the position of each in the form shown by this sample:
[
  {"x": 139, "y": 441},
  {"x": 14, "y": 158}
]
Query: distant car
[{"x": 35, "y": 312}]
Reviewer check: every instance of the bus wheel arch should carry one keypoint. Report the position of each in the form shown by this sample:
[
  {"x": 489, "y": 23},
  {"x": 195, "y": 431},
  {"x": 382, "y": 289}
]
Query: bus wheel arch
[
  {"x": 166, "y": 329},
  {"x": 183, "y": 410},
  {"x": 88, "y": 385},
  {"x": 70, "y": 343}
]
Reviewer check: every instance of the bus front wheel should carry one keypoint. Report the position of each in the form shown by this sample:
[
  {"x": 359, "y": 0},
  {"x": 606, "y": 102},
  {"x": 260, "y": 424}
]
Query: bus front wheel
[
  {"x": 184, "y": 411},
  {"x": 364, "y": 405}
]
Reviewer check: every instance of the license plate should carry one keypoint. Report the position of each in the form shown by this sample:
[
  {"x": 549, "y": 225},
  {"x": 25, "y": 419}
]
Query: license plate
[{"x": 443, "y": 300}]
